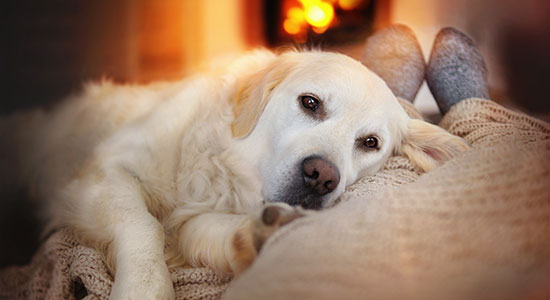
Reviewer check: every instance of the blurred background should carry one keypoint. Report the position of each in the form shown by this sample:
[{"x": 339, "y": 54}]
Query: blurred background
[{"x": 49, "y": 48}]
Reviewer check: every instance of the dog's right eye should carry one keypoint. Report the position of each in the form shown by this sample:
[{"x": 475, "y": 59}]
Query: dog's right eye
[{"x": 310, "y": 102}]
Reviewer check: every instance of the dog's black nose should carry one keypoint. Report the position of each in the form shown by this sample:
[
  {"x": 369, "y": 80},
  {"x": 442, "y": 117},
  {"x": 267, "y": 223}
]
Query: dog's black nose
[{"x": 320, "y": 175}]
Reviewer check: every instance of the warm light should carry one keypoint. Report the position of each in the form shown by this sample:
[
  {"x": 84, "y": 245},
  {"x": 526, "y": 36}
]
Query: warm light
[
  {"x": 319, "y": 30},
  {"x": 291, "y": 27},
  {"x": 318, "y": 13},
  {"x": 296, "y": 14},
  {"x": 349, "y": 4}
]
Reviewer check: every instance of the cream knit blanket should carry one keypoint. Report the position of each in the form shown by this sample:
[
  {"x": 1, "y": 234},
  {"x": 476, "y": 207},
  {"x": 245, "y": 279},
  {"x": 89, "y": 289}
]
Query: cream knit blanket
[
  {"x": 64, "y": 269},
  {"x": 478, "y": 226}
]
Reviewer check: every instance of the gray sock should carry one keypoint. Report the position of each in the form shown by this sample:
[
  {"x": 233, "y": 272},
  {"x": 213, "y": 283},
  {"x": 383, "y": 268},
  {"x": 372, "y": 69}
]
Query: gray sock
[
  {"x": 394, "y": 54},
  {"x": 456, "y": 70}
]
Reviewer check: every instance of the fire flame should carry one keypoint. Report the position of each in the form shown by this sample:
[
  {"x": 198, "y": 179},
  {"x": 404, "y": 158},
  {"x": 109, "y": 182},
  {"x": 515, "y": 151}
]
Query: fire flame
[{"x": 317, "y": 14}]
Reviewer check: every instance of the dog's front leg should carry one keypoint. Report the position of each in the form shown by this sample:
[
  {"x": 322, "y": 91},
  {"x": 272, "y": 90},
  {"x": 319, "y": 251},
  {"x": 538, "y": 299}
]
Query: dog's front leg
[
  {"x": 230, "y": 242},
  {"x": 141, "y": 270},
  {"x": 115, "y": 210},
  {"x": 218, "y": 240}
]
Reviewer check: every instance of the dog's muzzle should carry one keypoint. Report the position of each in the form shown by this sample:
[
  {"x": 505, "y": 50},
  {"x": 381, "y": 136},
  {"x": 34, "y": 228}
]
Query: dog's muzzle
[{"x": 320, "y": 177}]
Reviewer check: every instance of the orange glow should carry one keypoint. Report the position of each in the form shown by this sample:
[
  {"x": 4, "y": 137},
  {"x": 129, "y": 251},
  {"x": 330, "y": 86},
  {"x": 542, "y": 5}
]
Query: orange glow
[
  {"x": 349, "y": 4},
  {"x": 296, "y": 14},
  {"x": 319, "y": 30},
  {"x": 317, "y": 14},
  {"x": 291, "y": 27}
]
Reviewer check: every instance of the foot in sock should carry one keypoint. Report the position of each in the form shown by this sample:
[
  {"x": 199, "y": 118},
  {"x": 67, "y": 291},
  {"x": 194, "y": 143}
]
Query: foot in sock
[
  {"x": 394, "y": 54},
  {"x": 456, "y": 70}
]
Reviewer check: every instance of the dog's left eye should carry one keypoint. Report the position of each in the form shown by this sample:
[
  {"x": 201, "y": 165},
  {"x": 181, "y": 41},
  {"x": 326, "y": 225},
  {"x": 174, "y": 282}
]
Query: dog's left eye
[
  {"x": 370, "y": 143},
  {"x": 310, "y": 102}
]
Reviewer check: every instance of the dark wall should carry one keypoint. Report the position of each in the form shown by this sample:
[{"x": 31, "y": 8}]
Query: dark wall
[
  {"x": 49, "y": 48},
  {"x": 46, "y": 48}
]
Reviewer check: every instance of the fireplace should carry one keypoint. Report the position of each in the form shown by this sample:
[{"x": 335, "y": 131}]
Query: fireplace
[{"x": 318, "y": 22}]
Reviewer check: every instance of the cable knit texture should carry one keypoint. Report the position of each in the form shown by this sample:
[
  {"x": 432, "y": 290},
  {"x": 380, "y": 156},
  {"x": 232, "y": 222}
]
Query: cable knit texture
[
  {"x": 477, "y": 227},
  {"x": 64, "y": 269}
]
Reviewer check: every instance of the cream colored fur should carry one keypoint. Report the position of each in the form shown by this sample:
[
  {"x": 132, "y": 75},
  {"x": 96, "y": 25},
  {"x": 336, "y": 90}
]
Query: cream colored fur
[{"x": 177, "y": 171}]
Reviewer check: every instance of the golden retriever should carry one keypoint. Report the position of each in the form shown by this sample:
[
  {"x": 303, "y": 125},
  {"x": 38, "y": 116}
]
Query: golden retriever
[{"x": 178, "y": 173}]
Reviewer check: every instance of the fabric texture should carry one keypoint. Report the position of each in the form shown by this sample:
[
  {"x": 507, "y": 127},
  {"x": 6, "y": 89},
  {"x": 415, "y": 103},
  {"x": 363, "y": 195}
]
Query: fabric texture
[
  {"x": 456, "y": 69},
  {"x": 64, "y": 269},
  {"x": 393, "y": 53},
  {"x": 476, "y": 227}
]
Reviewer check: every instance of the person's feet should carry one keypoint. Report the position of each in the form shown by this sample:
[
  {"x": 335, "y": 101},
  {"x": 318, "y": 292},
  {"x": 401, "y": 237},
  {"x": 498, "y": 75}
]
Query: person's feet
[
  {"x": 394, "y": 54},
  {"x": 456, "y": 70}
]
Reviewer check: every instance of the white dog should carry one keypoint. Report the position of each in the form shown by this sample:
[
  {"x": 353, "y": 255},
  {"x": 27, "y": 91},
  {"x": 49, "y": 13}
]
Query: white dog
[{"x": 176, "y": 172}]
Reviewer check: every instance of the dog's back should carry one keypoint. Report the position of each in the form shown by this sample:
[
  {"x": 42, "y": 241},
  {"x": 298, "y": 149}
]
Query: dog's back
[{"x": 42, "y": 149}]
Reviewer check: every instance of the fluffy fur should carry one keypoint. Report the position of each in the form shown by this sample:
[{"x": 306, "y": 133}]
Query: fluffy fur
[{"x": 177, "y": 172}]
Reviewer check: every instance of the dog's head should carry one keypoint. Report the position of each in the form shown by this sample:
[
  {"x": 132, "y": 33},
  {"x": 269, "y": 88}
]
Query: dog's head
[{"x": 312, "y": 123}]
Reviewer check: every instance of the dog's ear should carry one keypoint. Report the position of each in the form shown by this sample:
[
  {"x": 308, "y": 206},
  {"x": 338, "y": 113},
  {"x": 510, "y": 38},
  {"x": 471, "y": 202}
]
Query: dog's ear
[
  {"x": 253, "y": 93},
  {"x": 427, "y": 145}
]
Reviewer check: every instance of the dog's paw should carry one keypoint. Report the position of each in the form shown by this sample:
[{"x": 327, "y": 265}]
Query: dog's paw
[
  {"x": 249, "y": 239},
  {"x": 243, "y": 248},
  {"x": 274, "y": 215}
]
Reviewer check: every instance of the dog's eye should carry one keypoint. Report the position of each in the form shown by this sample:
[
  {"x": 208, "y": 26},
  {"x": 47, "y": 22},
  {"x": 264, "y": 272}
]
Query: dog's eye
[
  {"x": 310, "y": 102},
  {"x": 371, "y": 142}
]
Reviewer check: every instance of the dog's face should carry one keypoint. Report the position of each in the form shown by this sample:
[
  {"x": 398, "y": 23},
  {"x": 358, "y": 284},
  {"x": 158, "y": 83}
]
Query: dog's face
[{"x": 315, "y": 122}]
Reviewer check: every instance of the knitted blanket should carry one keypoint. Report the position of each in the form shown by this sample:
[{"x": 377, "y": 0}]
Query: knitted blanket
[
  {"x": 476, "y": 227},
  {"x": 65, "y": 269}
]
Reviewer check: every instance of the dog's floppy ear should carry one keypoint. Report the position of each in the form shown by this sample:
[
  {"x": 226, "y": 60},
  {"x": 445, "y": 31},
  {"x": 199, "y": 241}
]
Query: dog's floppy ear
[
  {"x": 427, "y": 145},
  {"x": 253, "y": 94}
]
